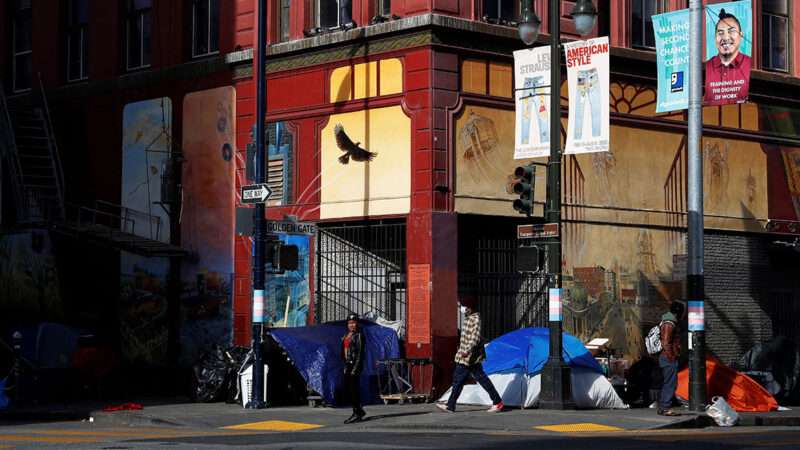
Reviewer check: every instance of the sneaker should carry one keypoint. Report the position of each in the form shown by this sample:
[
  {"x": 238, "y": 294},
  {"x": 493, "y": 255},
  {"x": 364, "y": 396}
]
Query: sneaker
[
  {"x": 496, "y": 408},
  {"x": 444, "y": 408}
]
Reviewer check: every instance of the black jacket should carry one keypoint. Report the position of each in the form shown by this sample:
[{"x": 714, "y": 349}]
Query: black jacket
[{"x": 354, "y": 358}]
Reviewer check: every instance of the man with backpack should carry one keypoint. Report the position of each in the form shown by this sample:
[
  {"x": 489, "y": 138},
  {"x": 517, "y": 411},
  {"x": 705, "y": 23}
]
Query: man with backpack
[{"x": 670, "y": 339}]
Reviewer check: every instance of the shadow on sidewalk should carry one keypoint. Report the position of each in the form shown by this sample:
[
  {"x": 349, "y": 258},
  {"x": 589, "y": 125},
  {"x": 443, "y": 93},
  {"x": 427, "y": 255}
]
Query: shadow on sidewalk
[{"x": 388, "y": 416}]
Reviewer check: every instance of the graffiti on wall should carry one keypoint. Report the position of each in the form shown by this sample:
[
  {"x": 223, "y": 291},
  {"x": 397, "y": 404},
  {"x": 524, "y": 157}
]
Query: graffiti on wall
[
  {"x": 146, "y": 148},
  {"x": 288, "y": 294},
  {"x": 207, "y": 221}
]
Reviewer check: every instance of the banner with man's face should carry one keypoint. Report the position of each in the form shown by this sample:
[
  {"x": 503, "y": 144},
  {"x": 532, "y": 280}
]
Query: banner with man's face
[{"x": 729, "y": 51}]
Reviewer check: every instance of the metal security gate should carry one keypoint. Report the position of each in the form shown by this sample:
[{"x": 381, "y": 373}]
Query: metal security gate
[
  {"x": 361, "y": 269},
  {"x": 487, "y": 264}
]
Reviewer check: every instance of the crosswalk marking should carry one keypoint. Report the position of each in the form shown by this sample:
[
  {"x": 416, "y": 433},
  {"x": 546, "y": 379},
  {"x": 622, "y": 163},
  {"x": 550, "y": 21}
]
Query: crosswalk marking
[
  {"x": 274, "y": 425},
  {"x": 578, "y": 428}
]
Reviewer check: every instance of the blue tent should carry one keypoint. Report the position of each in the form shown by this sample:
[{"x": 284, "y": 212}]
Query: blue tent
[
  {"x": 316, "y": 352},
  {"x": 528, "y": 348}
]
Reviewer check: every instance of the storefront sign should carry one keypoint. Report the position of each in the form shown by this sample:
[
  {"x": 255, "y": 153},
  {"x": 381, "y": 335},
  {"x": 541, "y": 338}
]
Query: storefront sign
[
  {"x": 672, "y": 59},
  {"x": 588, "y": 82},
  {"x": 532, "y": 94},
  {"x": 729, "y": 49}
]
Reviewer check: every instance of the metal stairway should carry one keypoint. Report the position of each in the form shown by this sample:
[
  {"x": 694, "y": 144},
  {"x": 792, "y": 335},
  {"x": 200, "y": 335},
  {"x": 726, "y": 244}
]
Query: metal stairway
[{"x": 34, "y": 161}]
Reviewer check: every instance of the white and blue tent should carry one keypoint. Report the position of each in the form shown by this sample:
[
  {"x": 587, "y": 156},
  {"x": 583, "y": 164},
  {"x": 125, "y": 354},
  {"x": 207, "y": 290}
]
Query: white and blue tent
[{"x": 515, "y": 360}]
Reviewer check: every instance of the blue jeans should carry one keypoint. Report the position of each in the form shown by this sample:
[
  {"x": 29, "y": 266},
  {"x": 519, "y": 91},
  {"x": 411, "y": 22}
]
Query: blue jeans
[
  {"x": 533, "y": 102},
  {"x": 670, "y": 371},
  {"x": 460, "y": 376},
  {"x": 588, "y": 91}
]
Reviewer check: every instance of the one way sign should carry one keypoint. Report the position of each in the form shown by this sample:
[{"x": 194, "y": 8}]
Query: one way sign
[{"x": 255, "y": 193}]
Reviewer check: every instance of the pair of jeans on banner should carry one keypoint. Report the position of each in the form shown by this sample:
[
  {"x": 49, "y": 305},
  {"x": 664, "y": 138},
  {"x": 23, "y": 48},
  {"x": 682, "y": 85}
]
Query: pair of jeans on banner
[
  {"x": 533, "y": 101},
  {"x": 588, "y": 92}
]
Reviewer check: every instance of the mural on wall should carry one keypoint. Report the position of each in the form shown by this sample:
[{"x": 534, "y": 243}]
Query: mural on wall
[
  {"x": 288, "y": 294},
  {"x": 146, "y": 147},
  {"x": 29, "y": 284},
  {"x": 207, "y": 221},
  {"x": 363, "y": 172},
  {"x": 619, "y": 279},
  {"x": 484, "y": 147},
  {"x": 281, "y": 163}
]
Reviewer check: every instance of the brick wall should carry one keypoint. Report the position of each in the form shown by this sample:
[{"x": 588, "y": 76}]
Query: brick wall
[{"x": 750, "y": 286}]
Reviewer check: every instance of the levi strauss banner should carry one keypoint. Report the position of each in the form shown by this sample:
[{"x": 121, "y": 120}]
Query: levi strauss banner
[
  {"x": 588, "y": 82},
  {"x": 532, "y": 96}
]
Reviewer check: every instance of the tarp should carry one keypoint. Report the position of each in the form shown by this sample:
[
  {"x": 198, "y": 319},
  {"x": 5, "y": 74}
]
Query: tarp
[
  {"x": 316, "y": 353},
  {"x": 740, "y": 391},
  {"x": 528, "y": 349},
  {"x": 514, "y": 362}
]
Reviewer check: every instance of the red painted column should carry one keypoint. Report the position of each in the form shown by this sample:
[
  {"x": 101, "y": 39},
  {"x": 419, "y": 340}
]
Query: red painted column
[{"x": 432, "y": 231}]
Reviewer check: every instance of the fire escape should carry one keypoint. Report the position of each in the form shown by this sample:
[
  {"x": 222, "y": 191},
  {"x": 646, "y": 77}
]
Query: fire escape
[{"x": 30, "y": 156}]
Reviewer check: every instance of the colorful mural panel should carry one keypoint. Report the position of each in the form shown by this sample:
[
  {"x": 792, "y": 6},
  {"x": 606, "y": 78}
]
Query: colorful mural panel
[
  {"x": 207, "y": 221},
  {"x": 288, "y": 295},
  {"x": 29, "y": 284},
  {"x": 146, "y": 147},
  {"x": 366, "y": 163}
]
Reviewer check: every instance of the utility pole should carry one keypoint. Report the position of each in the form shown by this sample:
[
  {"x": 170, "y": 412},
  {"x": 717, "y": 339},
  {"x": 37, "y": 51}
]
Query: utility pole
[
  {"x": 259, "y": 214},
  {"x": 695, "y": 279},
  {"x": 556, "y": 380}
]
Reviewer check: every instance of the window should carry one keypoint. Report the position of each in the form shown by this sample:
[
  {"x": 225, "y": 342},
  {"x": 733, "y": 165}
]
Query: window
[
  {"x": 333, "y": 13},
  {"x": 205, "y": 27},
  {"x": 283, "y": 19},
  {"x": 499, "y": 11},
  {"x": 383, "y": 7},
  {"x": 642, "y": 34},
  {"x": 775, "y": 34},
  {"x": 77, "y": 42},
  {"x": 22, "y": 46},
  {"x": 138, "y": 32}
]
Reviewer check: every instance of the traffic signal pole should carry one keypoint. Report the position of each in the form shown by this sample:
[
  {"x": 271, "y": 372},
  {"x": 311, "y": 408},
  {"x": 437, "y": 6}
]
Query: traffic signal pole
[{"x": 259, "y": 215}]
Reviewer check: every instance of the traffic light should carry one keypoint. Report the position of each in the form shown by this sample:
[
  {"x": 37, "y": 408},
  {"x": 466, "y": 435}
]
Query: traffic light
[
  {"x": 281, "y": 257},
  {"x": 524, "y": 186}
]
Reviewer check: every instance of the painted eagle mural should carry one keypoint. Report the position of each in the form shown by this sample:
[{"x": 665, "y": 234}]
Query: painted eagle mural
[{"x": 350, "y": 149}]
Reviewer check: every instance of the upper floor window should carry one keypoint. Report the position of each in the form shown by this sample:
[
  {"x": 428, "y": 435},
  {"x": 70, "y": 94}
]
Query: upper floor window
[
  {"x": 642, "y": 11},
  {"x": 205, "y": 27},
  {"x": 383, "y": 7},
  {"x": 775, "y": 34},
  {"x": 138, "y": 33},
  {"x": 77, "y": 42},
  {"x": 284, "y": 18},
  {"x": 22, "y": 46},
  {"x": 333, "y": 13},
  {"x": 500, "y": 11}
]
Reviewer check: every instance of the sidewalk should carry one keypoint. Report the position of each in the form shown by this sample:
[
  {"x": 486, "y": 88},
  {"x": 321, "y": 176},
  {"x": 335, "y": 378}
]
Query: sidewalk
[{"x": 423, "y": 417}]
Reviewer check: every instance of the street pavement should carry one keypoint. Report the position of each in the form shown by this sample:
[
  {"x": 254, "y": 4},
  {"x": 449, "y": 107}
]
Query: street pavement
[{"x": 186, "y": 425}]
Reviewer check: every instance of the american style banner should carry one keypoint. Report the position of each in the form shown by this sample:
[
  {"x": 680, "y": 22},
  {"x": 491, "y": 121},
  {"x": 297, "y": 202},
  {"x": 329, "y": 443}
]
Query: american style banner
[
  {"x": 729, "y": 49},
  {"x": 588, "y": 83},
  {"x": 532, "y": 97},
  {"x": 672, "y": 60}
]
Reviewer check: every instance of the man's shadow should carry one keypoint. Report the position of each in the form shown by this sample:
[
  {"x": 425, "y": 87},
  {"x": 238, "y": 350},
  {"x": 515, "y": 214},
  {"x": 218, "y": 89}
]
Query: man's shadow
[{"x": 388, "y": 416}]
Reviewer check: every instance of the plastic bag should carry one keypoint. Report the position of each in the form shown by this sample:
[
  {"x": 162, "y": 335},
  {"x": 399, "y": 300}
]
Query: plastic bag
[
  {"x": 215, "y": 376},
  {"x": 722, "y": 413}
]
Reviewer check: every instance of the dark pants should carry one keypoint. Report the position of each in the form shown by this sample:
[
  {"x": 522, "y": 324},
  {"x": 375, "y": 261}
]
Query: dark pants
[
  {"x": 670, "y": 371},
  {"x": 353, "y": 393},
  {"x": 460, "y": 376}
]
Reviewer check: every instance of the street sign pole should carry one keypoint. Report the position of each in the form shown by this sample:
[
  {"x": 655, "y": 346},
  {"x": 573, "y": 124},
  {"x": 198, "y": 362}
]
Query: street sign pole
[{"x": 259, "y": 215}]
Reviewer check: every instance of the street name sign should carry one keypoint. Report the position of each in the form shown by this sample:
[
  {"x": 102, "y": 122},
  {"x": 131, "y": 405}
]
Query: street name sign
[
  {"x": 255, "y": 193},
  {"x": 537, "y": 231},
  {"x": 289, "y": 227}
]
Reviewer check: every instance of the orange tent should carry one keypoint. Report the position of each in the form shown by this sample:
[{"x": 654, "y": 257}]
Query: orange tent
[{"x": 740, "y": 391}]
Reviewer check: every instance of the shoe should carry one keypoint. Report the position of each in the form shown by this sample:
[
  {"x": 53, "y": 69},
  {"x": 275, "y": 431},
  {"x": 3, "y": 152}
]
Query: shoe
[
  {"x": 496, "y": 408},
  {"x": 351, "y": 419},
  {"x": 444, "y": 408},
  {"x": 667, "y": 412}
]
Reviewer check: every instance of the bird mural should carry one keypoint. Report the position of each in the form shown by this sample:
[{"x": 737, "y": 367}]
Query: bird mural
[{"x": 350, "y": 149}]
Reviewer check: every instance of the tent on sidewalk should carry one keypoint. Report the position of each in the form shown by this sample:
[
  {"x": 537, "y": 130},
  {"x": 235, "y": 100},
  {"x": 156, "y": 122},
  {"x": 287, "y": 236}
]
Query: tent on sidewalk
[
  {"x": 740, "y": 391},
  {"x": 316, "y": 353},
  {"x": 515, "y": 360}
]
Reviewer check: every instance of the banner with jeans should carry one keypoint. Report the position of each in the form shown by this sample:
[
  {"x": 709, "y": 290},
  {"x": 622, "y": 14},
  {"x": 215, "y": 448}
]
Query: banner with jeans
[
  {"x": 588, "y": 82},
  {"x": 532, "y": 94},
  {"x": 672, "y": 50},
  {"x": 729, "y": 49}
]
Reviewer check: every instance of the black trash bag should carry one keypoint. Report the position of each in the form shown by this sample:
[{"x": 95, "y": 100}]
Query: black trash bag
[
  {"x": 216, "y": 375},
  {"x": 780, "y": 358}
]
